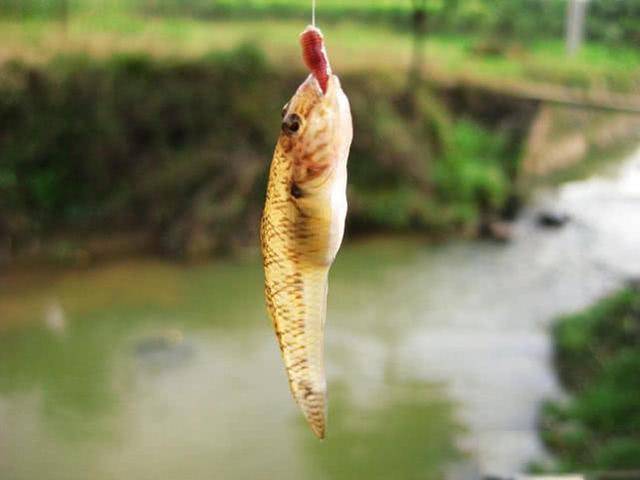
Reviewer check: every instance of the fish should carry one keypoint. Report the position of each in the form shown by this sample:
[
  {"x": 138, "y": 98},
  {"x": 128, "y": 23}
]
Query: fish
[{"x": 303, "y": 224}]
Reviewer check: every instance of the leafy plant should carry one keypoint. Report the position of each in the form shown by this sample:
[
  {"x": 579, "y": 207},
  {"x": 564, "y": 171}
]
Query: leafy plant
[{"x": 598, "y": 357}]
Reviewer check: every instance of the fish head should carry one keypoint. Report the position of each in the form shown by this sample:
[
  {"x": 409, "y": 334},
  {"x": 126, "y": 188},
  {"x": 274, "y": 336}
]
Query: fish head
[{"x": 316, "y": 133}]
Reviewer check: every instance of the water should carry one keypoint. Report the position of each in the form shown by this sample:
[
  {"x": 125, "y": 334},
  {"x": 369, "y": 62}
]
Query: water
[{"x": 438, "y": 356}]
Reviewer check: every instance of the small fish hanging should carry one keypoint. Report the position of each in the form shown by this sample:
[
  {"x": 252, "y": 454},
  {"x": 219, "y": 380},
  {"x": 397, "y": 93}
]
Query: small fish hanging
[{"x": 303, "y": 223}]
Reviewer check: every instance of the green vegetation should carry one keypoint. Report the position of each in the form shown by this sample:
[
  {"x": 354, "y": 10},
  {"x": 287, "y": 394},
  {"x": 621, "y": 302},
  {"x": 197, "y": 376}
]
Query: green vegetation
[
  {"x": 598, "y": 359},
  {"x": 613, "y": 22},
  {"x": 474, "y": 172},
  {"x": 354, "y": 48},
  {"x": 181, "y": 148}
]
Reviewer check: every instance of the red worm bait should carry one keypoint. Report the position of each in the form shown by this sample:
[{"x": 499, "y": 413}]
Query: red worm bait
[{"x": 315, "y": 55}]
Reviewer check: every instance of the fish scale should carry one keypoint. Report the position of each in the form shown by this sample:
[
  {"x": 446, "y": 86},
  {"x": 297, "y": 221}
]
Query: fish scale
[{"x": 296, "y": 292}]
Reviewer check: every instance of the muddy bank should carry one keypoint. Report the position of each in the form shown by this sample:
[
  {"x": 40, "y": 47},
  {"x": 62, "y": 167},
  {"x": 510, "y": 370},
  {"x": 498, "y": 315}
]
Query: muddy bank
[
  {"x": 177, "y": 152},
  {"x": 561, "y": 138}
]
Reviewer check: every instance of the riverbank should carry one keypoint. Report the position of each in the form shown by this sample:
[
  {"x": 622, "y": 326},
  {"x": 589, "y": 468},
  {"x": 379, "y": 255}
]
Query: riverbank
[
  {"x": 135, "y": 154},
  {"x": 597, "y": 357},
  {"x": 178, "y": 151}
]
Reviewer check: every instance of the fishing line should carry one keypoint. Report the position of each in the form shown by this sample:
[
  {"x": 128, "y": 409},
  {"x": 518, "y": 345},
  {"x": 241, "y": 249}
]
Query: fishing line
[{"x": 313, "y": 12}]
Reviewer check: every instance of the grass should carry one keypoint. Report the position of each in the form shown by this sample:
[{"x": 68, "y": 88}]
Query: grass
[{"x": 352, "y": 47}]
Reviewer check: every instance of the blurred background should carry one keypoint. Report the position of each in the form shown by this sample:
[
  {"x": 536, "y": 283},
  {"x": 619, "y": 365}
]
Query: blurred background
[{"x": 484, "y": 311}]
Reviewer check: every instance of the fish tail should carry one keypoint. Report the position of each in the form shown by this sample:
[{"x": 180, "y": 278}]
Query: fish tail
[
  {"x": 312, "y": 398},
  {"x": 301, "y": 337}
]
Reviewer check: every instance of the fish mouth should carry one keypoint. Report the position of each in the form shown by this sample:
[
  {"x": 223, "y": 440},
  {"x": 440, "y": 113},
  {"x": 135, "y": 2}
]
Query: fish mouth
[
  {"x": 333, "y": 85},
  {"x": 314, "y": 83}
]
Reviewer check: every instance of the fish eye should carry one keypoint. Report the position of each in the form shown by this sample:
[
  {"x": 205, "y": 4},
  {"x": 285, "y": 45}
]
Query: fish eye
[{"x": 291, "y": 124}]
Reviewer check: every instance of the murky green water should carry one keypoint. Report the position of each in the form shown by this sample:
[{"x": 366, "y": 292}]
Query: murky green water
[
  {"x": 149, "y": 370},
  {"x": 437, "y": 356}
]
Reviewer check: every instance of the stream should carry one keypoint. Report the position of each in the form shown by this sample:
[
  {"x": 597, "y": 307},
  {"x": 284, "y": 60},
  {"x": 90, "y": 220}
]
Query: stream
[{"x": 437, "y": 355}]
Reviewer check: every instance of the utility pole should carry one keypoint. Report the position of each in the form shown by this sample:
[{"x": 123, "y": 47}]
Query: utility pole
[{"x": 576, "y": 15}]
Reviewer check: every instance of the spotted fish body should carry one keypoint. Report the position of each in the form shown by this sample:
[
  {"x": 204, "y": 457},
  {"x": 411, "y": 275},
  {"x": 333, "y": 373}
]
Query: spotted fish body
[{"x": 301, "y": 232}]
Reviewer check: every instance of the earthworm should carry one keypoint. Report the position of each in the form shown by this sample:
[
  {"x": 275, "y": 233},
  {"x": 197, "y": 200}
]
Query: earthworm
[{"x": 314, "y": 55}]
